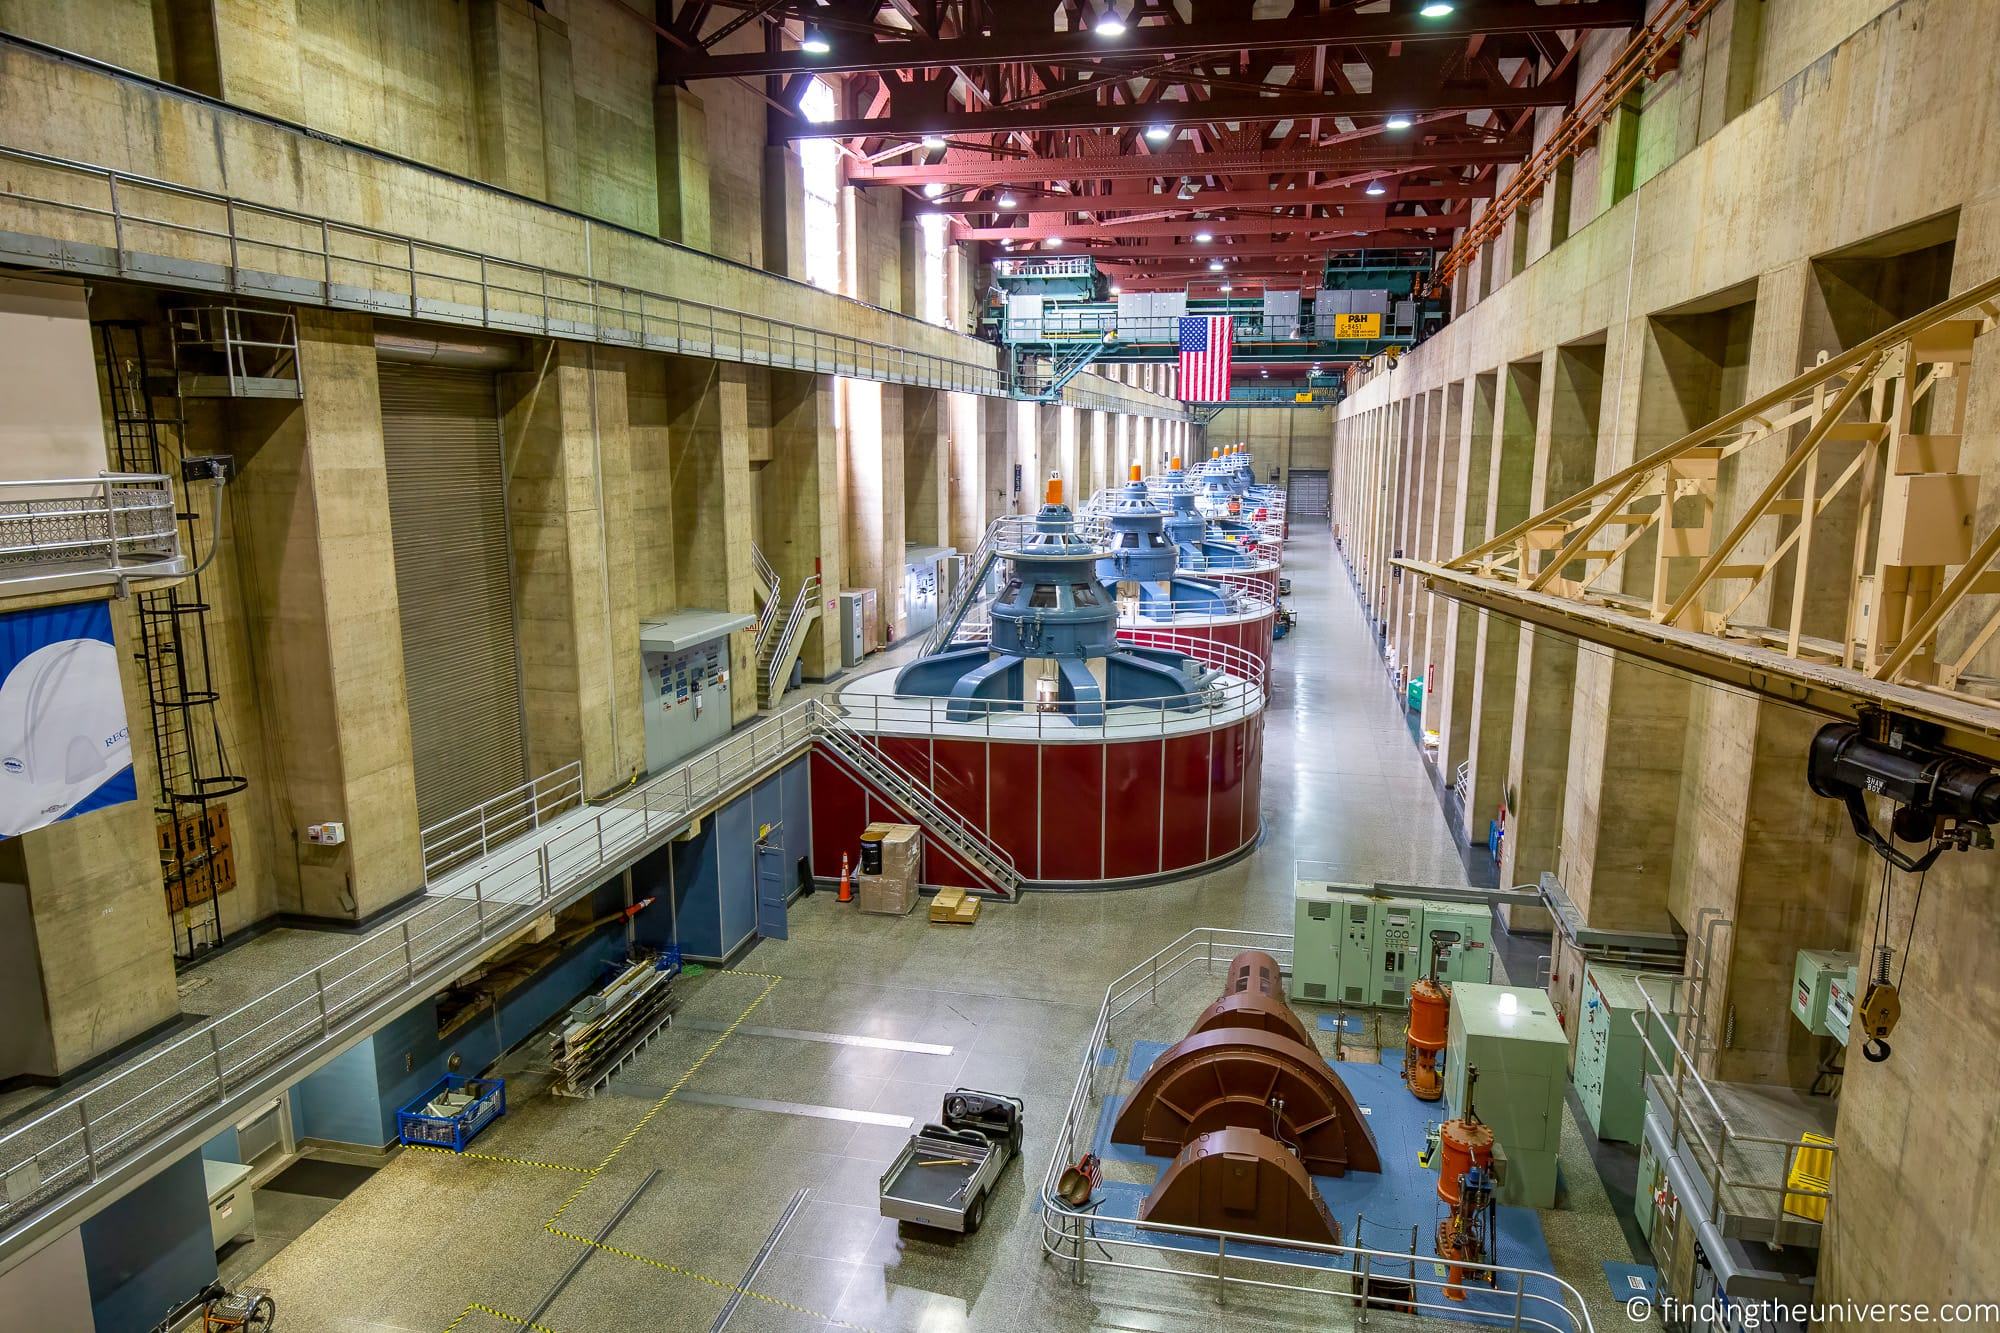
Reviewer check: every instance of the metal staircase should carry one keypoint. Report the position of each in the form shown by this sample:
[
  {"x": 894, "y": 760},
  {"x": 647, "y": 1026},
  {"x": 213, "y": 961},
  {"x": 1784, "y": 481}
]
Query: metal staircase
[
  {"x": 778, "y": 653},
  {"x": 858, "y": 753},
  {"x": 768, "y": 589},
  {"x": 1043, "y": 377}
]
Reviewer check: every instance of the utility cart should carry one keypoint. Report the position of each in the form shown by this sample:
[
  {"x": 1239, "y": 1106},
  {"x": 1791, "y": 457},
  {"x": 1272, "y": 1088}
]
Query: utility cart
[{"x": 941, "y": 1179}]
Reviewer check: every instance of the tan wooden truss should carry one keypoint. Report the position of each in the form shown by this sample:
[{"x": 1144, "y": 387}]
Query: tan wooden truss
[{"x": 1862, "y": 454}]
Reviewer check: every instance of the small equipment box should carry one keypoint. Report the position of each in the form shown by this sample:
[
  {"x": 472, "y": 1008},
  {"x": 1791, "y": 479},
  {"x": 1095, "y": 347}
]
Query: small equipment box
[{"x": 452, "y": 1113}]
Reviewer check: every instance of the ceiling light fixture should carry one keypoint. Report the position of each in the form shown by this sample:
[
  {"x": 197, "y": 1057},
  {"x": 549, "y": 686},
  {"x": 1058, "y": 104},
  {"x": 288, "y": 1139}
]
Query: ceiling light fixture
[
  {"x": 1399, "y": 121},
  {"x": 1376, "y": 187},
  {"x": 1437, "y": 9},
  {"x": 1203, "y": 237},
  {"x": 815, "y": 43},
  {"x": 1007, "y": 200},
  {"x": 932, "y": 189},
  {"x": 1187, "y": 191},
  {"x": 1227, "y": 288},
  {"x": 1215, "y": 266},
  {"x": 1109, "y": 26},
  {"x": 1159, "y": 133},
  {"x": 934, "y": 142},
  {"x": 1051, "y": 242}
]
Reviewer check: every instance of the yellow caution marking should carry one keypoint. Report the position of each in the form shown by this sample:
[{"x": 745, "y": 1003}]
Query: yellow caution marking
[
  {"x": 501, "y": 1315},
  {"x": 590, "y": 1173},
  {"x": 497, "y": 1157}
]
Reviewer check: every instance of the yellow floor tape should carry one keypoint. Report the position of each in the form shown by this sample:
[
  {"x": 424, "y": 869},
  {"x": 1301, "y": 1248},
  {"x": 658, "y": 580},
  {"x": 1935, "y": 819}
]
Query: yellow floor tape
[{"x": 590, "y": 1173}]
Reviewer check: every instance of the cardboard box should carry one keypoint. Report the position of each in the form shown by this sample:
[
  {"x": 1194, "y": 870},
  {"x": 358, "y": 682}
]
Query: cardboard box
[
  {"x": 954, "y": 907},
  {"x": 902, "y": 848},
  {"x": 887, "y": 895}
]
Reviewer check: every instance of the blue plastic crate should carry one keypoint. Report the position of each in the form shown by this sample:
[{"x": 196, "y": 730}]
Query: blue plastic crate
[{"x": 489, "y": 1103}]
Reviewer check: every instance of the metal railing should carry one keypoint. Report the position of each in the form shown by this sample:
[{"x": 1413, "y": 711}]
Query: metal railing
[
  {"x": 59, "y": 1154},
  {"x": 767, "y": 615},
  {"x": 864, "y": 756},
  {"x": 111, "y": 528},
  {"x": 1756, "y": 1167},
  {"x": 1245, "y": 601},
  {"x": 1080, "y": 1240},
  {"x": 1234, "y": 683},
  {"x": 777, "y": 670},
  {"x": 473, "y": 834},
  {"x": 118, "y": 224}
]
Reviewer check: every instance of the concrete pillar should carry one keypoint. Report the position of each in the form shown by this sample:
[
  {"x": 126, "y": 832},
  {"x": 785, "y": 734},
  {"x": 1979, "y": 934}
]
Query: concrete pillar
[
  {"x": 784, "y": 212},
  {"x": 1445, "y": 541},
  {"x": 314, "y": 498},
  {"x": 1457, "y": 659},
  {"x": 966, "y": 414},
  {"x": 801, "y": 505},
  {"x": 1755, "y": 844},
  {"x": 926, "y": 482},
  {"x": 708, "y": 459},
  {"x": 524, "y": 99},
  {"x": 875, "y": 522},
  {"x": 997, "y": 456},
  {"x": 569, "y": 505},
  {"x": 680, "y": 133},
  {"x": 1498, "y": 639},
  {"x": 1565, "y": 452},
  {"x": 85, "y": 962}
]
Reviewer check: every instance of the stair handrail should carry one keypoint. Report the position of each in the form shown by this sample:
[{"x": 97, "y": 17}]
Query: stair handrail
[
  {"x": 806, "y": 597},
  {"x": 767, "y": 615},
  {"x": 902, "y": 786}
]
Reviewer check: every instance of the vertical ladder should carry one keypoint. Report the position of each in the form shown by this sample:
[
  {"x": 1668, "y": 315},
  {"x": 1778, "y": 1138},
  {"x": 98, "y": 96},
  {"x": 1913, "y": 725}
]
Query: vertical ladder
[{"x": 190, "y": 753}]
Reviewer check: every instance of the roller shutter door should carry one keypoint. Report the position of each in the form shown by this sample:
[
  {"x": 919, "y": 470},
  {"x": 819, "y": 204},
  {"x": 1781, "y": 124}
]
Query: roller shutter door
[
  {"x": 454, "y": 584},
  {"x": 1306, "y": 494}
]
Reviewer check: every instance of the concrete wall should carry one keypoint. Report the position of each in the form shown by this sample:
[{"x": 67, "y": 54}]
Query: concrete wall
[{"x": 1690, "y": 276}]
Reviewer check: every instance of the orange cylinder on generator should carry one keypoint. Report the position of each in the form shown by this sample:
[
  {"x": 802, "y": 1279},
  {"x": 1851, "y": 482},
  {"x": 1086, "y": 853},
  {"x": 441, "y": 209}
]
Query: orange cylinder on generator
[
  {"x": 1464, "y": 1145},
  {"x": 1430, "y": 1015}
]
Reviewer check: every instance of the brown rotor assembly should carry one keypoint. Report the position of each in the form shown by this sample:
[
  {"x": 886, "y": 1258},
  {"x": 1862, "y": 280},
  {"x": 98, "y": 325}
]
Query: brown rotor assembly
[
  {"x": 1240, "y": 1180},
  {"x": 1250, "y": 1079}
]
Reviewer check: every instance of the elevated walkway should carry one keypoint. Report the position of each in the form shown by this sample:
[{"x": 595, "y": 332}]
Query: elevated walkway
[{"x": 489, "y": 872}]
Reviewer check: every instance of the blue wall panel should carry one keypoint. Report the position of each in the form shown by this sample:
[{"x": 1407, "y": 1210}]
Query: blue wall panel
[
  {"x": 340, "y": 1101},
  {"x": 736, "y": 857},
  {"x": 222, "y": 1148},
  {"x": 150, "y": 1250}
]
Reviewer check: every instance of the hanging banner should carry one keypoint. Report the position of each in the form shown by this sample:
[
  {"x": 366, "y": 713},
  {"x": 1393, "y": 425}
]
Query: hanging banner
[{"x": 65, "y": 747}]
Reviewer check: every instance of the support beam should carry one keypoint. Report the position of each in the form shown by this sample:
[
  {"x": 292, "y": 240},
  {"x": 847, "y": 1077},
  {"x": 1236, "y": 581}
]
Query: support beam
[
  {"x": 1077, "y": 113},
  {"x": 852, "y": 53},
  {"x": 1360, "y": 156}
]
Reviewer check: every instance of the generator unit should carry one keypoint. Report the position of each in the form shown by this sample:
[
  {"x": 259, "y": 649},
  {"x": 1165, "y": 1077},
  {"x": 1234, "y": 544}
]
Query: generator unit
[
  {"x": 1510, "y": 1035},
  {"x": 1611, "y": 1060}
]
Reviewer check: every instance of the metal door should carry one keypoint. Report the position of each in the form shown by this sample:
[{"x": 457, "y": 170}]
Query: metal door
[
  {"x": 772, "y": 885},
  {"x": 1306, "y": 496},
  {"x": 454, "y": 585}
]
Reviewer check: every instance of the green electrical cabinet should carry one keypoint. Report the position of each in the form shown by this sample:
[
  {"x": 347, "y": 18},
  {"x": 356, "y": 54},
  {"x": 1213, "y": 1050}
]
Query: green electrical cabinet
[
  {"x": 1399, "y": 952},
  {"x": 1357, "y": 923},
  {"x": 1611, "y": 1059},
  {"x": 1461, "y": 940},
  {"x": 1510, "y": 1035},
  {"x": 1315, "y": 942}
]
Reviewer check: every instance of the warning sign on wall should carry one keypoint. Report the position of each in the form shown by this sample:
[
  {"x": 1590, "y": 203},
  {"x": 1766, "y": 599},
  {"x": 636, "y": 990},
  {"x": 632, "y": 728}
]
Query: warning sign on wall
[{"x": 1357, "y": 326}]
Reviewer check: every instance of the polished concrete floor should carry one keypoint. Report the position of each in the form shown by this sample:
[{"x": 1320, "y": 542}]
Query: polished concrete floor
[{"x": 667, "y": 1187}]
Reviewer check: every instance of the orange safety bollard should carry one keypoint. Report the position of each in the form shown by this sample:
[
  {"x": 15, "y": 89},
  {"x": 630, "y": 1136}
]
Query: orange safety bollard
[{"x": 846, "y": 884}]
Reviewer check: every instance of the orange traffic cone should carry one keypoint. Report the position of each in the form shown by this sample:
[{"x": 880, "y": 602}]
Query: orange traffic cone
[{"x": 846, "y": 884}]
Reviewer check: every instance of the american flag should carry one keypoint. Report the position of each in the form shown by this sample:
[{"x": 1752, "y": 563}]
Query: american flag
[{"x": 1205, "y": 357}]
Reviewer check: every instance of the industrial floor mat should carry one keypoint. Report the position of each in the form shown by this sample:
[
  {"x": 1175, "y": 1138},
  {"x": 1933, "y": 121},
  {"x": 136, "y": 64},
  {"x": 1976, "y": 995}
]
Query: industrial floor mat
[{"x": 325, "y": 1180}]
